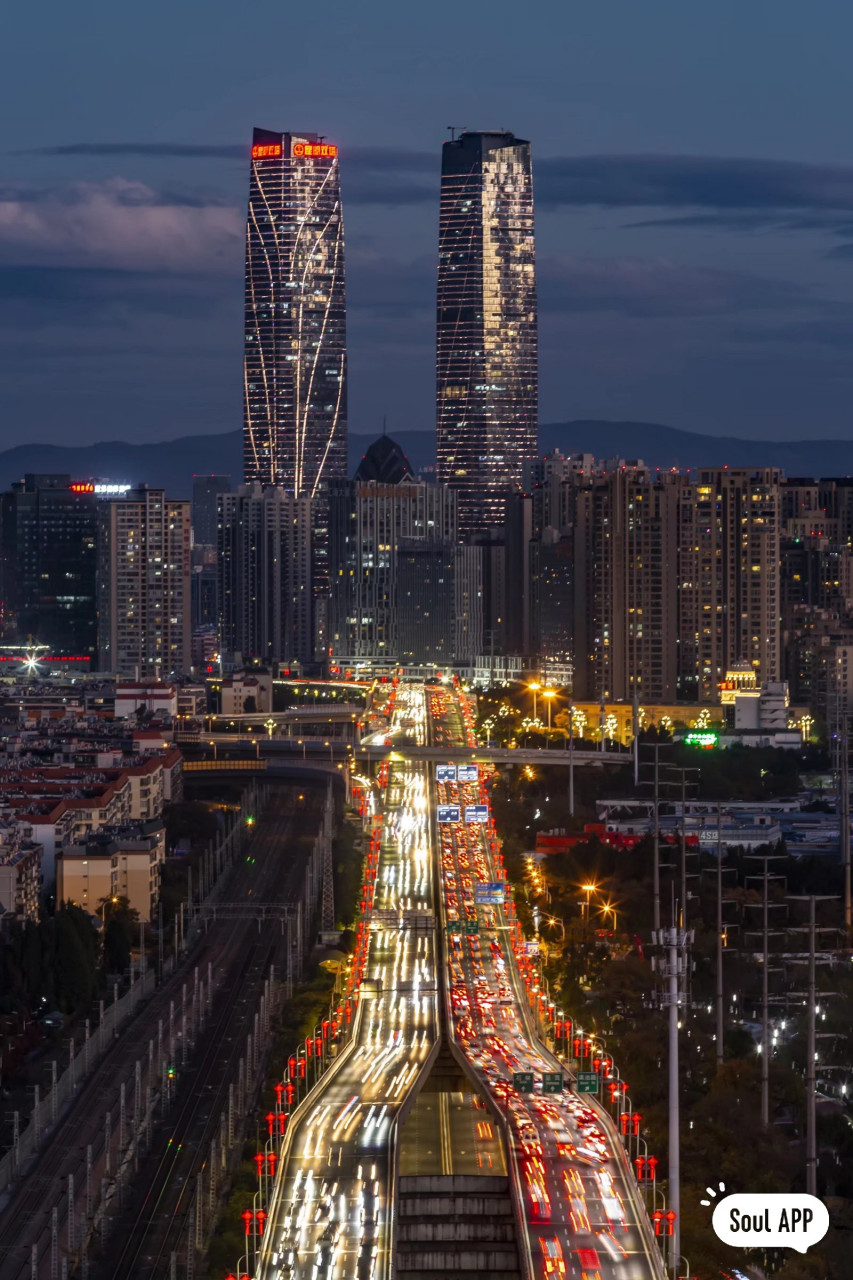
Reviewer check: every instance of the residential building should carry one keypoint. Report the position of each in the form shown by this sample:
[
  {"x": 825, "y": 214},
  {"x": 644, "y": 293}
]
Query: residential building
[
  {"x": 265, "y": 576},
  {"x": 486, "y": 333},
  {"x": 205, "y": 512},
  {"x": 144, "y": 585}
]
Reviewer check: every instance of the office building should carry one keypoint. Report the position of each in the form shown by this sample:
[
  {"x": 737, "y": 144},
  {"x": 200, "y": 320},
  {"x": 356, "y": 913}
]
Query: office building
[
  {"x": 369, "y": 525},
  {"x": 486, "y": 339},
  {"x": 295, "y": 395},
  {"x": 425, "y": 599},
  {"x": 49, "y": 526},
  {"x": 295, "y": 367},
  {"x": 265, "y": 576},
  {"x": 144, "y": 585},
  {"x": 206, "y": 491}
]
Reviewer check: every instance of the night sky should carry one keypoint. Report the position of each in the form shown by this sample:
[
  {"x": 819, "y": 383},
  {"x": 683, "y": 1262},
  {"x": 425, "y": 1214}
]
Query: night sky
[{"x": 693, "y": 186}]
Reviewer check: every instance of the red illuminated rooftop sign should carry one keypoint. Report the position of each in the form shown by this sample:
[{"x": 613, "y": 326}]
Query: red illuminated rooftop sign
[
  {"x": 80, "y": 487},
  {"x": 315, "y": 150},
  {"x": 266, "y": 150}
]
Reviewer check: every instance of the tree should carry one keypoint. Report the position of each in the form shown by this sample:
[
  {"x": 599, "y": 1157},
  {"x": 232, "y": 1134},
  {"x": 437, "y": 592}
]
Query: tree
[
  {"x": 116, "y": 946},
  {"x": 74, "y": 963}
]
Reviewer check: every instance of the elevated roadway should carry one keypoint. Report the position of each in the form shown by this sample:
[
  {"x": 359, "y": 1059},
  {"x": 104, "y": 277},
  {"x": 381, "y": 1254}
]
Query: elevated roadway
[{"x": 583, "y": 1216}]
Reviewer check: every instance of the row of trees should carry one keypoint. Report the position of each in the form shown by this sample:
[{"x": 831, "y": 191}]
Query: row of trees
[{"x": 607, "y": 985}]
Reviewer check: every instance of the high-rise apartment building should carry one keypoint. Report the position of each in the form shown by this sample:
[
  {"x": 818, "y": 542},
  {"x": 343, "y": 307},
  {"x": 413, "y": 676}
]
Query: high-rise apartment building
[
  {"x": 206, "y": 491},
  {"x": 295, "y": 393},
  {"x": 144, "y": 585},
  {"x": 265, "y": 575},
  {"x": 729, "y": 590},
  {"x": 486, "y": 340},
  {"x": 49, "y": 526},
  {"x": 676, "y": 579}
]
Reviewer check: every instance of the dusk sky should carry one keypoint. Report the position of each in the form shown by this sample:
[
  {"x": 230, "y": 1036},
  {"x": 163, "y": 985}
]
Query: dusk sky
[{"x": 692, "y": 174}]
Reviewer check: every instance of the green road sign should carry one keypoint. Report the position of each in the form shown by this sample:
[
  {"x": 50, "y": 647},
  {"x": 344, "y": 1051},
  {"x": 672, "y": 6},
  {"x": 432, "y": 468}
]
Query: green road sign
[
  {"x": 587, "y": 1082},
  {"x": 523, "y": 1081},
  {"x": 454, "y": 926},
  {"x": 552, "y": 1082},
  {"x": 472, "y": 926}
]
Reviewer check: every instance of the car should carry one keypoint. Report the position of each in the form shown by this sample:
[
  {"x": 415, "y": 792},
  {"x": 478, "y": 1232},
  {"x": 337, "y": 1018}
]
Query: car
[{"x": 552, "y": 1254}]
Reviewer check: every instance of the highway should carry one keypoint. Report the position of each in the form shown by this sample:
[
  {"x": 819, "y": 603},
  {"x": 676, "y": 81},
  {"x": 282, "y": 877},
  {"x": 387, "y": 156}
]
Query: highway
[
  {"x": 584, "y": 1217},
  {"x": 330, "y": 1215}
]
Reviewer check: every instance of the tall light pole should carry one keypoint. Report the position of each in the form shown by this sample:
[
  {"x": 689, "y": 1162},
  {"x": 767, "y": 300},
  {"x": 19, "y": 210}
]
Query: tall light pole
[
  {"x": 534, "y": 688},
  {"x": 549, "y": 695}
]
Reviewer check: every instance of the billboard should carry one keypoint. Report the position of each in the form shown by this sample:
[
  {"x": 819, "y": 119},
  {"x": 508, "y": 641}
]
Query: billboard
[
  {"x": 448, "y": 813},
  {"x": 476, "y": 813},
  {"x": 467, "y": 773},
  {"x": 445, "y": 773}
]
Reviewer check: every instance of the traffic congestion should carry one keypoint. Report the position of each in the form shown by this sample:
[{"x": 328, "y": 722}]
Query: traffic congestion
[{"x": 583, "y": 1216}]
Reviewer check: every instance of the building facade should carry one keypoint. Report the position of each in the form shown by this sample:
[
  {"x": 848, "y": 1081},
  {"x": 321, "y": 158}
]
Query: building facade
[
  {"x": 370, "y": 526},
  {"x": 49, "y": 528},
  {"x": 265, "y": 575},
  {"x": 206, "y": 491},
  {"x": 144, "y": 585},
  {"x": 486, "y": 336}
]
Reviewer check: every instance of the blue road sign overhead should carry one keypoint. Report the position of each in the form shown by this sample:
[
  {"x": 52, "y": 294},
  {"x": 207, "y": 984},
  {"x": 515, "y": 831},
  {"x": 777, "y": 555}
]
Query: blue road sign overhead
[
  {"x": 467, "y": 773},
  {"x": 445, "y": 773},
  {"x": 448, "y": 813},
  {"x": 476, "y": 813},
  {"x": 489, "y": 893}
]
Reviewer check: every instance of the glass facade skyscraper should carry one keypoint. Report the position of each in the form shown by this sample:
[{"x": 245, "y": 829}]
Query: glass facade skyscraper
[
  {"x": 486, "y": 347},
  {"x": 295, "y": 367}
]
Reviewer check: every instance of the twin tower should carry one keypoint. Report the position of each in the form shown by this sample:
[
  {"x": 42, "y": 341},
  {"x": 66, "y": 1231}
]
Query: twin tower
[{"x": 295, "y": 367}]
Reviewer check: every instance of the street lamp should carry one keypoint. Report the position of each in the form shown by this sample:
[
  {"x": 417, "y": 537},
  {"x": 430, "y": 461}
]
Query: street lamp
[
  {"x": 549, "y": 694},
  {"x": 269, "y": 725},
  {"x": 588, "y": 889},
  {"x": 534, "y": 688}
]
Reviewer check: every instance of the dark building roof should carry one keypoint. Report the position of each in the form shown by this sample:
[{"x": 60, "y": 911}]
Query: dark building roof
[{"x": 385, "y": 462}]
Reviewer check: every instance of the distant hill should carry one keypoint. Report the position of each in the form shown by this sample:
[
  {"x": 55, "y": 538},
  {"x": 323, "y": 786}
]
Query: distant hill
[{"x": 170, "y": 464}]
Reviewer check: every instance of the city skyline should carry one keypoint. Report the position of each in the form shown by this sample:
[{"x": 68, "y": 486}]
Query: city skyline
[{"x": 693, "y": 263}]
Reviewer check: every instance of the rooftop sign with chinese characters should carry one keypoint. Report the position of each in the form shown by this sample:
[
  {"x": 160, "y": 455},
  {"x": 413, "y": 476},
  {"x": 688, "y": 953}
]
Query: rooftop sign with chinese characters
[
  {"x": 266, "y": 151},
  {"x": 314, "y": 150}
]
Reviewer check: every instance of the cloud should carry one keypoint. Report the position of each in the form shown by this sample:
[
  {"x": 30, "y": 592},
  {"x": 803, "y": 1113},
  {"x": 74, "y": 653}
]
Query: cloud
[
  {"x": 692, "y": 182},
  {"x": 183, "y": 150},
  {"x": 656, "y": 288},
  {"x": 719, "y": 183},
  {"x": 118, "y": 224}
]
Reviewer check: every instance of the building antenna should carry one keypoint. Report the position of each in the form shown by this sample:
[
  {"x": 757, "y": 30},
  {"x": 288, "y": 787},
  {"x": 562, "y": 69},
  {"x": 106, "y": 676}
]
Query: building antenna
[{"x": 454, "y": 129}]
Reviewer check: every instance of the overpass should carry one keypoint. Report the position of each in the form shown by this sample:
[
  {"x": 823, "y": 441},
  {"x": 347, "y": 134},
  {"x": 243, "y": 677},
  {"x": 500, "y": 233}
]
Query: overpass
[{"x": 331, "y": 750}]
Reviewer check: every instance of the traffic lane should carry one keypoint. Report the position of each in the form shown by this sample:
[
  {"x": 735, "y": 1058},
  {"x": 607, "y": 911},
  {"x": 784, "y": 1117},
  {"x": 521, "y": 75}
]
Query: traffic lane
[
  {"x": 593, "y": 1206},
  {"x": 599, "y": 1207}
]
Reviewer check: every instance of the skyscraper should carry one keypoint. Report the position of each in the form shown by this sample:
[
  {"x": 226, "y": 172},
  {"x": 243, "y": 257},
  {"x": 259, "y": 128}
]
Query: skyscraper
[
  {"x": 295, "y": 394},
  {"x": 265, "y": 575},
  {"x": 486, "y": 340},
  {"x": 48, "y": 528}
]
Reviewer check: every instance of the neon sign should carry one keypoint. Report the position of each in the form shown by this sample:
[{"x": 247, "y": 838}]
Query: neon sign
[
  {"x": 266, "y": 150},
  {"x": 707, "y": 739},
  {"x": 315, "y": 150},
  {"x": 107, "y": 490}
]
